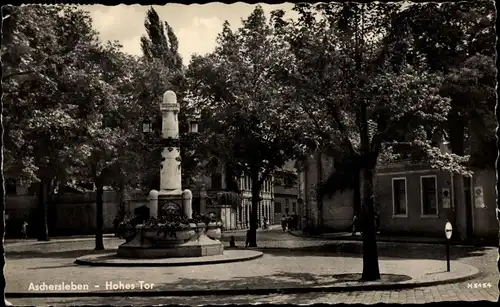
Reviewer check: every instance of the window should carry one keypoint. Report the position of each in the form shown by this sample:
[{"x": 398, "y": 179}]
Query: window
[
  {"x": 294, "y": 208},
  {"x": 290, "y": 180},
  {"x": 428, "y": 188},
  {"x": 399, "y": 197},
  {"x": 216, "y": 181},
  {"x": 277, "y": 207}
]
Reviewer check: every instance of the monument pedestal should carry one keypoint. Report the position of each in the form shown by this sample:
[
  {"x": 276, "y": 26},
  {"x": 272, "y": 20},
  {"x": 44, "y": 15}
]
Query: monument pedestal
[{"x": 169, "y": 201}]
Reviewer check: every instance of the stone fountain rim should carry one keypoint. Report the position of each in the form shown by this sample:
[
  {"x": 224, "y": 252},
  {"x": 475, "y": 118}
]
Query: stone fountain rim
[{"x": 207, "y": 226}]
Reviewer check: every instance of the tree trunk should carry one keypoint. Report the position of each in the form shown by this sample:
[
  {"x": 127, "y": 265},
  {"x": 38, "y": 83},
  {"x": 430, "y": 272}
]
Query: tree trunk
[
  {"x": 357, "y": 192},
  {"x": 370, "y": 254},
  {"x": 121, "y": 199},
  {"x": 457, "y": 136},
  {"x": 43, "y": 195},
  {"x": 319, "y": 197},
  {"x": 99, "y": 244},
  {"x": 52, "y": 208},
  {"x": 255, "y": 205}
]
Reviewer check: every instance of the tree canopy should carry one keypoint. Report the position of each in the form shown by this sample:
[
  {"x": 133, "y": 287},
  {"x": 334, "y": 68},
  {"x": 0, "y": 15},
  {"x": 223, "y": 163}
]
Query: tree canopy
[{"x": 246, "y": 119}]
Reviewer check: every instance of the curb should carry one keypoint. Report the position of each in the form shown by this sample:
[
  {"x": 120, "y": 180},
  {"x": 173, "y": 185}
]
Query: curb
[
  {"x": 356, "y": 239},
  {"x": 123, "y": 264},
  {"x": 226, "y": 292}
]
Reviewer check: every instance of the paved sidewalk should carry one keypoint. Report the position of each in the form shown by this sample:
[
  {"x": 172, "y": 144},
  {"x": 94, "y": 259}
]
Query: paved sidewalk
[
  {"x": 347, "y": 236},
  {"x": 52, "y": 239},
  {"x": 287, "y": 273}
]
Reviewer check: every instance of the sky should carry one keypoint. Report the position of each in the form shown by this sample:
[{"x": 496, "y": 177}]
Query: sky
[{"x": 195, "y": 25}]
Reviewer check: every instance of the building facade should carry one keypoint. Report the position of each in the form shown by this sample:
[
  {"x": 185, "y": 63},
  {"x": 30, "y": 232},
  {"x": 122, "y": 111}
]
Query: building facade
[
  {"x": 331, "y": 213},
  {"x": 237, "y": 217},
  {"x": 416, "y": 199},
  {"x": 412, "y": 199},
  {"x": 286, "y": 188}
]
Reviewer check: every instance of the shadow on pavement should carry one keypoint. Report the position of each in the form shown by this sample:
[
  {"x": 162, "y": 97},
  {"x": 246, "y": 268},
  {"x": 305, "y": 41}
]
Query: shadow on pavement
[
  {"x": 278, "y": 280},
  {"x": 384, "y": 278},
  {"x": 48, "y": 254},
  {"x": 407, "y": 251}
]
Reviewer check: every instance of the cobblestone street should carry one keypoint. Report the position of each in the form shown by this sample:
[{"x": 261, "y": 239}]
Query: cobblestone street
[{"x": 441, "y": 293}]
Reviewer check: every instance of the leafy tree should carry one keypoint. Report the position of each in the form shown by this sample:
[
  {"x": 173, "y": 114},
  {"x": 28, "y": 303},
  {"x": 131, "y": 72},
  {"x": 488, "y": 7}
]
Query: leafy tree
[
  {"x": 246, "y": 120},
  {"x": 43, "y": 107},
  {"x": 471, "y": 87},
  {"x": 359, "y": 95},
  {"x": 158, "y": 45},
  {"x": 112, "y": 133},
  {"x": 78, "y": 121},
  {"x": 457, "y": 39}
]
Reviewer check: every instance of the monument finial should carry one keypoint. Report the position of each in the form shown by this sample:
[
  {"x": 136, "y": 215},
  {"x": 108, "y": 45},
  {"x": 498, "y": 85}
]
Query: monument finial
[{"x": 169, "y": 97}]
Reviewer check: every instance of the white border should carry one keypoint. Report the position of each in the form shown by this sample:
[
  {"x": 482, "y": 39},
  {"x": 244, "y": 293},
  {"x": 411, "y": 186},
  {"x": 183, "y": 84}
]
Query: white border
[
  {"x": 394, "y": 215},
  {"x": 422, "y": 215}
]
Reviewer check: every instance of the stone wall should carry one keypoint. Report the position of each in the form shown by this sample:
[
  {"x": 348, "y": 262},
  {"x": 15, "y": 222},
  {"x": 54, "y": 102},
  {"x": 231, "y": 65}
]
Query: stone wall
[
  {"x": 338, "y": 211},
  {"x": 73, "y": 214}
]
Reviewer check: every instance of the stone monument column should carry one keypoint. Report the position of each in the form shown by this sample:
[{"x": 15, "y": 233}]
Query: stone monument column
[
  {"x": 170, "y": 178},
  {"x": 187, "y": 203},
  {"x": 153, "y": 203},
  {"x": 170, "y": 169}
]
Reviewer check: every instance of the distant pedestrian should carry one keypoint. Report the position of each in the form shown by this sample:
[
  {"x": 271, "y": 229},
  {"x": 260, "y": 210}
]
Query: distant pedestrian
[
  {"x": 264, "y": 225},
  {"x": 283, "y": 222},
  {"x": 247, "y": 241},
  {"x": 232, "y": 242},
  {"x": 304, "y": 224},
  {"x": 292, "y": 224},
  {"x": 355, "y": 221},
  {"x": 24, "y": 230},
  {"x": 116, "y": 223}
]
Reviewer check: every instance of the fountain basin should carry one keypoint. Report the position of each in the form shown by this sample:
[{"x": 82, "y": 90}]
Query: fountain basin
[
  {"x": 162, "y": 243},
  {"x": 213, "y": 231}
]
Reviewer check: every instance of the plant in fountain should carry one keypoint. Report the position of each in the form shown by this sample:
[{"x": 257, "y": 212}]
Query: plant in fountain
[
  {"x": 169, "y": 226},
  {"x": 126, "y": 230}
]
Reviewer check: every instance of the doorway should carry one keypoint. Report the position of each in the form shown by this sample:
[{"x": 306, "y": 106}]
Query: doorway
[{"x": 468, "y": 206}]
